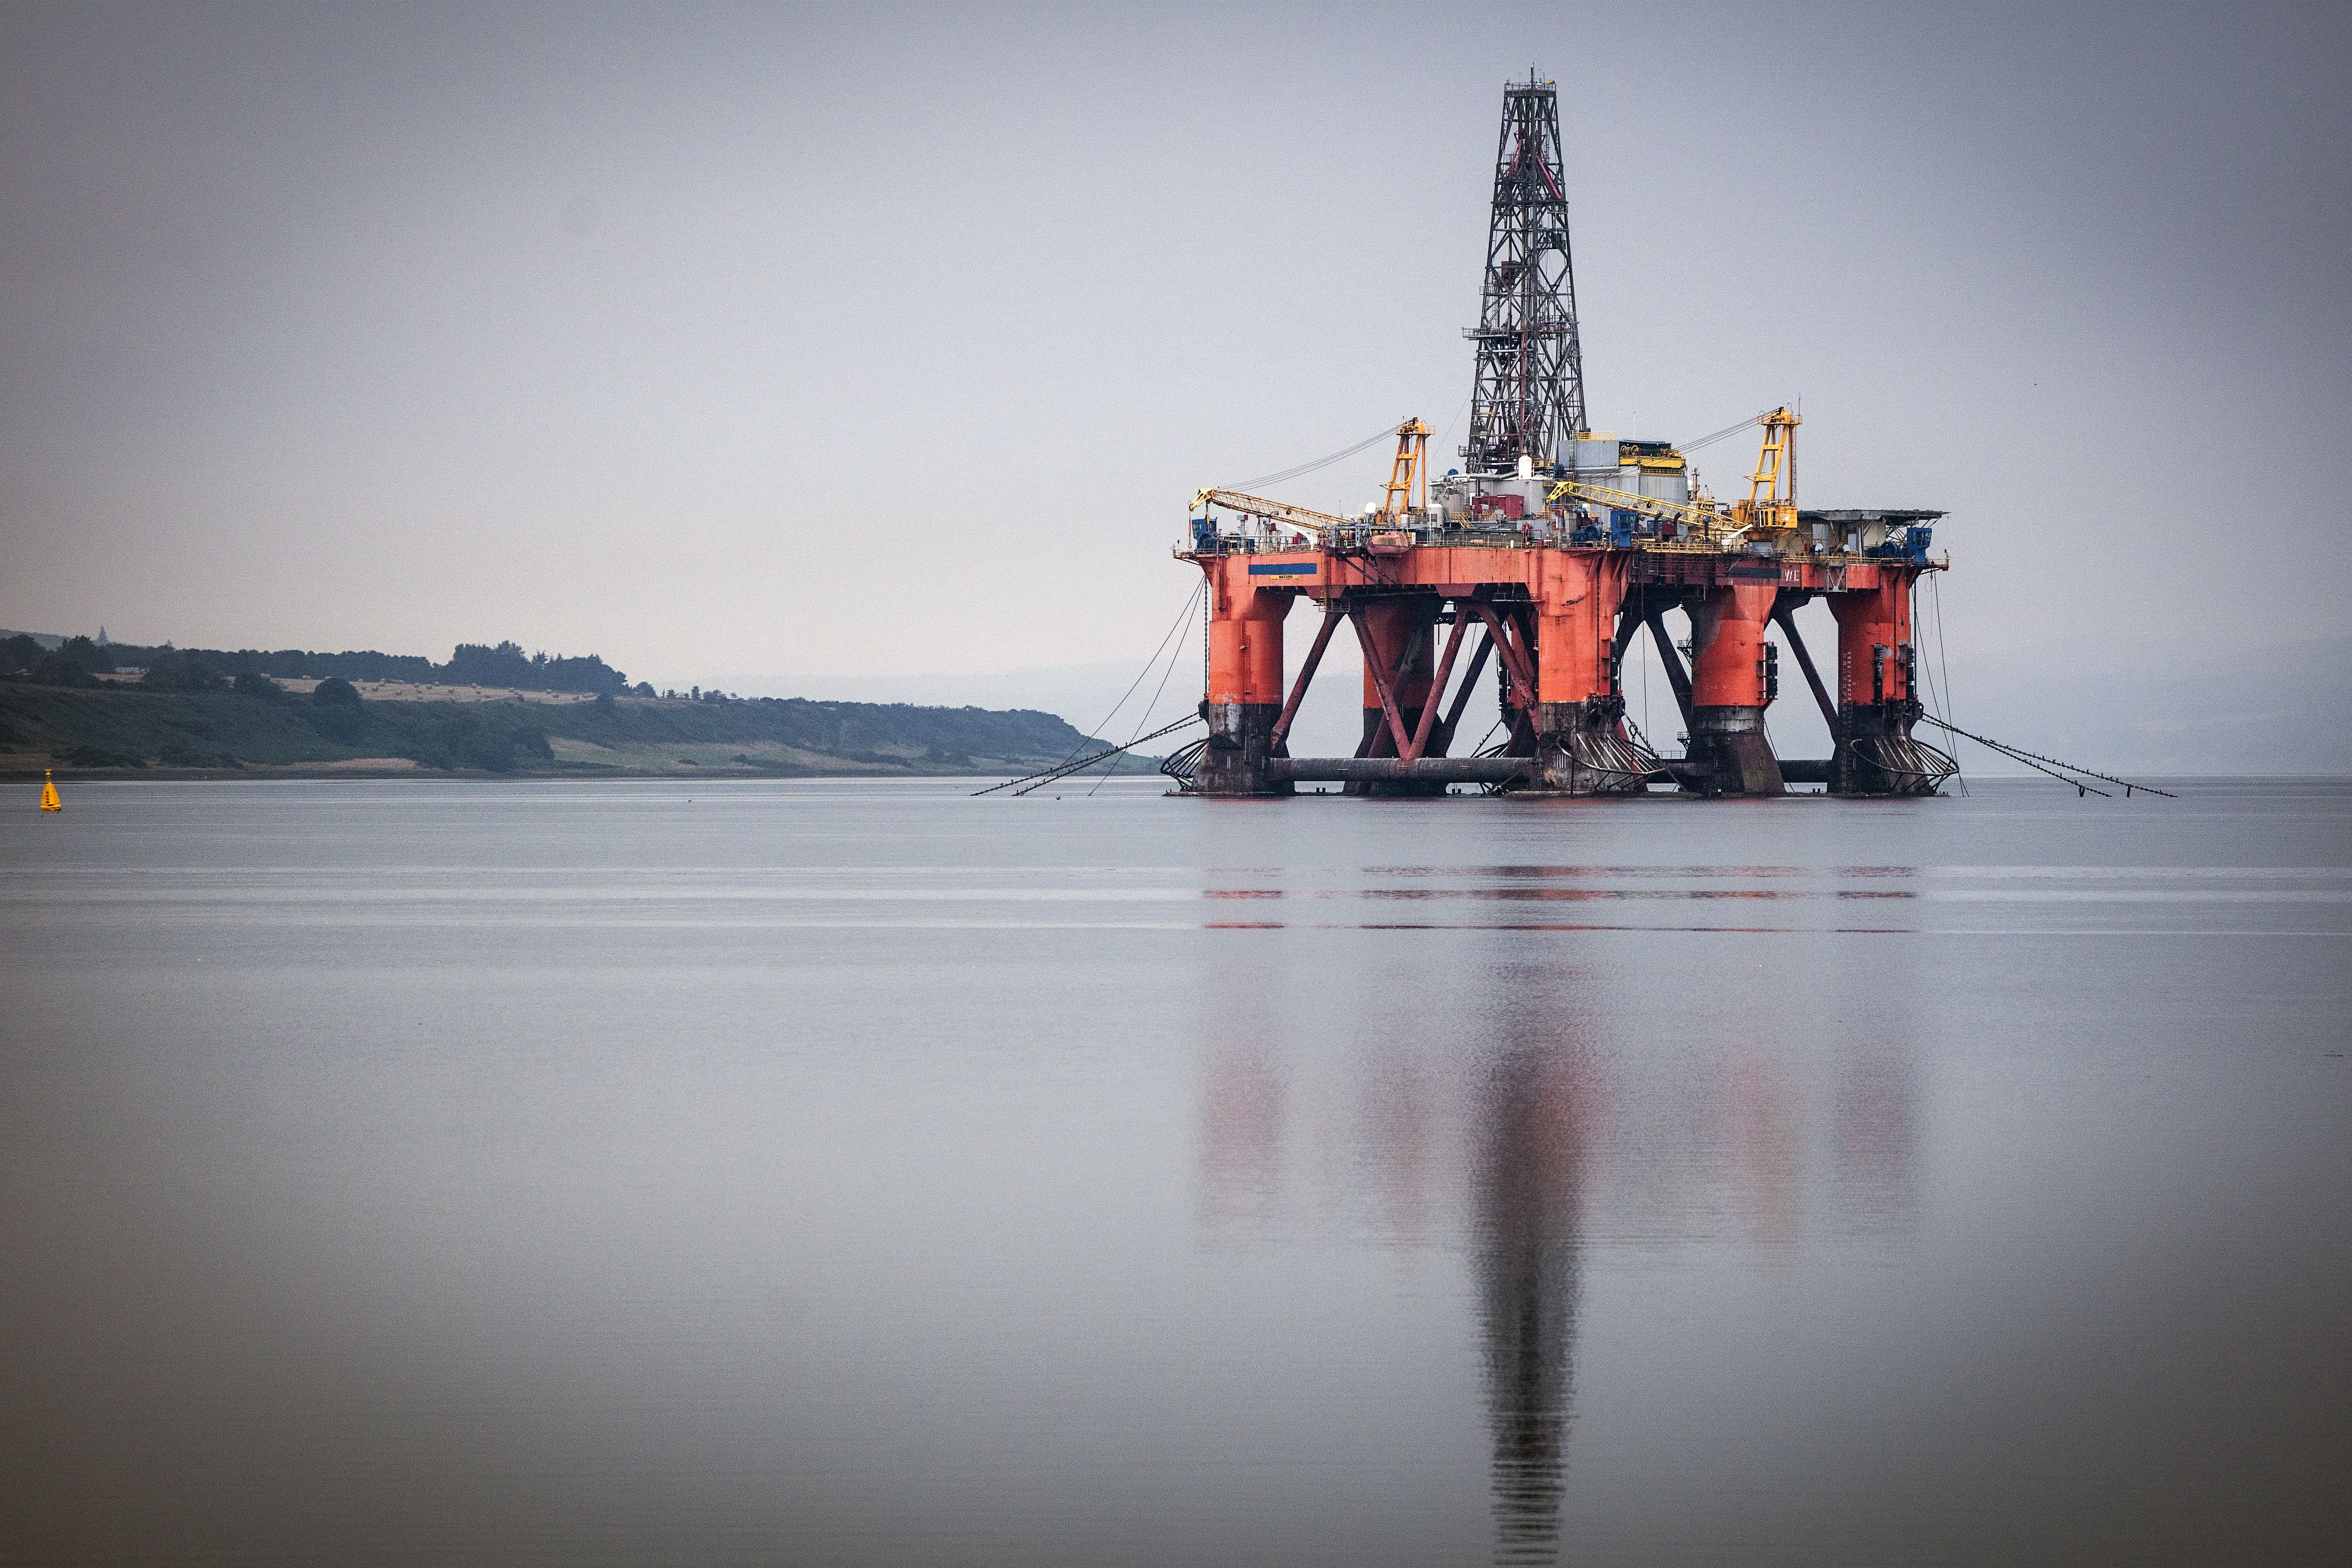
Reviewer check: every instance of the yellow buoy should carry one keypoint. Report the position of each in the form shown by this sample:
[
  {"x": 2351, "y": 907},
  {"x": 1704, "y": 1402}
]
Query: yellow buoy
[{"x": 49, "y": 801}]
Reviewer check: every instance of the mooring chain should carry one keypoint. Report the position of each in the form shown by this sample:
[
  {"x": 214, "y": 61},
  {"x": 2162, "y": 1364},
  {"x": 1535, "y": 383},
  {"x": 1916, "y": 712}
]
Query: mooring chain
[
  {"x": 1064, "y": 770},
  {"x": 2032, "y": 758}
]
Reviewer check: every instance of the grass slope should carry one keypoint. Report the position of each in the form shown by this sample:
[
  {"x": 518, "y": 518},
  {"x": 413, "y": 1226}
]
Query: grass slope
[{"x": 43, "y": 726}]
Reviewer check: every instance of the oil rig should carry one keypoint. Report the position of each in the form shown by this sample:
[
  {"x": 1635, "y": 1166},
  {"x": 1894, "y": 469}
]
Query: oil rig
[{"x": 1557, "y": 545}]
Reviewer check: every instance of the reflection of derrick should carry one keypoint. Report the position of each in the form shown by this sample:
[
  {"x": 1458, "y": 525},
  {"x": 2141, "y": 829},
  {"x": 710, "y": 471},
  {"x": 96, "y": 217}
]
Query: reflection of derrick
[
  {"x": 1530, "y": 1198},
  {"x": 1761, "y": 1135},
  {"x": 1241, "y": 1136},
  {"x": 1874, "y": 1139},
  {"x": 1403, "y": 1135}
]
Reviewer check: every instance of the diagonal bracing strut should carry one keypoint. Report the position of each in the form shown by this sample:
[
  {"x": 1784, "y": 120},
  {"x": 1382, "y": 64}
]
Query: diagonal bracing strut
[
  {"x": 1436, "y": 690},
  {"x": 1381, "y": 681},
  {"x": 1277, "y": 742}
]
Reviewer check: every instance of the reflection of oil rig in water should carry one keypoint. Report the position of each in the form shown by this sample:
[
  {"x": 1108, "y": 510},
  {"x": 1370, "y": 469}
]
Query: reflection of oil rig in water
[{"x": 1559, "y": 544}]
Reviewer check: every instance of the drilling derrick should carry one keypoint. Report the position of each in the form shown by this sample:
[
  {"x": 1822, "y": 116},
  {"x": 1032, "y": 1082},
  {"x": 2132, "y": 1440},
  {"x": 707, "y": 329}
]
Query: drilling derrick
[{"x": 1528, "y": 398}]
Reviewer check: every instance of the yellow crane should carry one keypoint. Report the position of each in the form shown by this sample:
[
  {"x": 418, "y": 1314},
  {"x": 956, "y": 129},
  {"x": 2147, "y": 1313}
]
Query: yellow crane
[
  {"x": 1409, "y": 472},
  {"x": 1412, "y": 463},
  {"x": 1771, "y": 506},
  {"x": 1771, "y": 503}
]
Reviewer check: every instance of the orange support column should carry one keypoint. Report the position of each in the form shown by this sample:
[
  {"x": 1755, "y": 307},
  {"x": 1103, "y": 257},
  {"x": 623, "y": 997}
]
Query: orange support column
[
  {"x": 1245, "y": 695},
  {"x": 1578, "y": 705},
  {"x": 1874, "y": 640},
  {"x": 1876, "y": 705},
  {"x": 1728, "y": 692}
]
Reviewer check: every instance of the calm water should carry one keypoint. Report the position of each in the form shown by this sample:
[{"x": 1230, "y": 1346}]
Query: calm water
[{"x": 829, "y": 1173}]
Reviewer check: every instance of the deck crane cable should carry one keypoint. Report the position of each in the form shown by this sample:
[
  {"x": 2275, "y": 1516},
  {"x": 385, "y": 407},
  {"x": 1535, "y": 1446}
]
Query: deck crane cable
[
  {"x": 1728, "y": 431},
  {"x": 1938, "y": 703},
  {"x": 1645, "y": 687},
  {"x": 1386, "y": 433},
  {"x": 1935, "y": 590},
  {"x": 1446, "y": 434}
]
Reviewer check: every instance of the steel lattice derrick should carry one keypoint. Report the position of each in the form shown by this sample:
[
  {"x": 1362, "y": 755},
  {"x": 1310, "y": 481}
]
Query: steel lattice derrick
[{"x": 1528, "y": 398}]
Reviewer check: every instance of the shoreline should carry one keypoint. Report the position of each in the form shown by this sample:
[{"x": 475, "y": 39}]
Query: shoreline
[
  {"x": 259, "y": 772},
  {"x": 112, "y": 731}
]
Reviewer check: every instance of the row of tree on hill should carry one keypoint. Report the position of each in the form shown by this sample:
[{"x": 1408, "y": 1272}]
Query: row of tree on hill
[{"x": 79, "y": 661}]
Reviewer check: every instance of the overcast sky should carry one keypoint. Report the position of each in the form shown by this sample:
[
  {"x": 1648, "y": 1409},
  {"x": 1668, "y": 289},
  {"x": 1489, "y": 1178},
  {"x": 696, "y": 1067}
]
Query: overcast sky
[{"x": 787, "y": 347}]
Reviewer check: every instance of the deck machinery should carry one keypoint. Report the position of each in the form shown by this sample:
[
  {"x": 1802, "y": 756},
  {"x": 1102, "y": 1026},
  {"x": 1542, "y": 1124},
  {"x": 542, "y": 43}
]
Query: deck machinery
[{"x": 1552, "y": 548}]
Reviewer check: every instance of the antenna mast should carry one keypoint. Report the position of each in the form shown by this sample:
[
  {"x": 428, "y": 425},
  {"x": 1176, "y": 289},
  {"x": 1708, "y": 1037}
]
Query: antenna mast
[{"x": 1529, "y": 397}]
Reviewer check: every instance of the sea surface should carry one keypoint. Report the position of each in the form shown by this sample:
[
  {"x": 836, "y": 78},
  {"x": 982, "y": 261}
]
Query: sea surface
[{"x": 847, "y": 1172}]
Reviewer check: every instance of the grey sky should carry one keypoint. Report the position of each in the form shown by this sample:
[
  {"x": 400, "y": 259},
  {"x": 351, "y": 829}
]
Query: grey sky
[{"x": 799, "y": 346}]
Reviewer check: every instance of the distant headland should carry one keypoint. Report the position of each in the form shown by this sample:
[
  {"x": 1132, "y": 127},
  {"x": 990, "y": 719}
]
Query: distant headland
[{"x": 81, "y": 704}]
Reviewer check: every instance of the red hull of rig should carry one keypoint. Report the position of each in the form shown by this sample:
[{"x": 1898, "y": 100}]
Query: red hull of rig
[
  {"x": 1558, "y": 621},
  {"x": 1552, "y": 549}
]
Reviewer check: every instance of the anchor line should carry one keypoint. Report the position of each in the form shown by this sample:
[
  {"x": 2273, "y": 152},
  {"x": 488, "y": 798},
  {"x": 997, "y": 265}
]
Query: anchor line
[
  {"x": 1064, "y": 770},
  {"x": 2035, "y": 759},
  {"x": 1145, "y": 717}
]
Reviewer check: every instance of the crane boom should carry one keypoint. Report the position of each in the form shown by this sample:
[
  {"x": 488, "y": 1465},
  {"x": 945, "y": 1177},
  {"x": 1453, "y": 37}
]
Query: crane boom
[
  {"x": 1314, "y": 524},
  {"x": 1700, "y": 518}
]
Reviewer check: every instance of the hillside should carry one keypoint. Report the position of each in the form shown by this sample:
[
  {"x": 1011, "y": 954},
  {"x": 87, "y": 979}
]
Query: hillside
[{"x": 125, "y": 727}]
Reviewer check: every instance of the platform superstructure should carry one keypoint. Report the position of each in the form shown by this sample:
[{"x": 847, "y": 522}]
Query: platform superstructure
[{"x": 1545, "y": 553}]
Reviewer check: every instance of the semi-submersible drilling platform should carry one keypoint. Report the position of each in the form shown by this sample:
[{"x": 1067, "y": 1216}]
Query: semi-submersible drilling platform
[{"x": 1559, "y": 544}]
